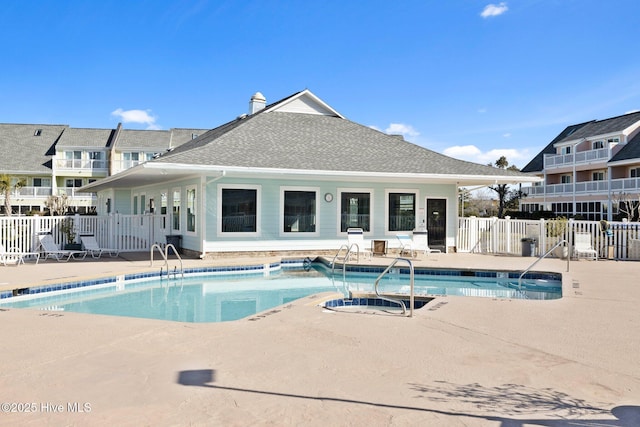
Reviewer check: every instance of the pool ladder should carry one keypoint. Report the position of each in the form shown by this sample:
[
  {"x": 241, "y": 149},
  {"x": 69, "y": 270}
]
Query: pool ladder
[
  {"x": 165, "y": 256},
  {"x": 411, "y": 286}
]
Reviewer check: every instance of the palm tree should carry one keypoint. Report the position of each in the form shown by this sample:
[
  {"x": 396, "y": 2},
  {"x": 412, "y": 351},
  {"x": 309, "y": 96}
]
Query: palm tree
[{"x": 7, "y": 185}]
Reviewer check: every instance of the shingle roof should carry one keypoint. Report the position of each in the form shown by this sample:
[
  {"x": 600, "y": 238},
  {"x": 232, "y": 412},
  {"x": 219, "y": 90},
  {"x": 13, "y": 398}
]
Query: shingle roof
[
  {"x": 279, "y": 140},
  {"x": 631, "y": 150},
  {"x": 24, "y": 152},
  {"x": 85, "y": 138},
  {"x": 132, "y": 139},
  {"x": 603, "y": 127}
]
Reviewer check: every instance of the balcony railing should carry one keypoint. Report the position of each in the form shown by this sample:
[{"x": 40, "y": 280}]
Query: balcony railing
[
  {"x": 585, "y": 187},
  {"x": 33, "y": 192},
  {"x": 79, "y": 164},
  {"x": 581, "y": 157}
]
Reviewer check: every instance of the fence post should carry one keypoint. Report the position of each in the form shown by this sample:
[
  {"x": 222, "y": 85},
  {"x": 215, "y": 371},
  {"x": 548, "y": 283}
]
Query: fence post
[{"x": 508, "y": 232}]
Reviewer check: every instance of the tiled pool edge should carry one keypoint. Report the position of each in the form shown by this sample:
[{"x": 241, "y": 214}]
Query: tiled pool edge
[
  {"x": 265, "y": 268},
  {"x": 446, "y": 271}
]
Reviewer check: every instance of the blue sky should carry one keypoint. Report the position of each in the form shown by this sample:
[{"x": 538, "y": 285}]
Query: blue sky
[{"x": 471, "y": 79}]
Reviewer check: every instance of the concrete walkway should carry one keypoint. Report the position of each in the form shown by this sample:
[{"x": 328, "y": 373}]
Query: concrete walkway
[{"x": 460, "y": 361}]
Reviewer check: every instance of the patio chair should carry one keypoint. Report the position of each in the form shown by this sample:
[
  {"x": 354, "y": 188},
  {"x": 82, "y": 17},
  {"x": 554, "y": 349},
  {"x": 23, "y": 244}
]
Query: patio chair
[
  {"x": 421, "y": 242},
  {"x": 51, "y": 250},
  {"x": 406, "y": 244},
  {"x": 13, "y": 256},
  {"x": 356, "y": 236},
  {"x": 582, "y": 246},
  {"x": 90, "y": 244}
]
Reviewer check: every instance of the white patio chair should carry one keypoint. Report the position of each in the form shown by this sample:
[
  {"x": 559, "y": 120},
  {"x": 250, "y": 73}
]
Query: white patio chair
[
  {"x": 13, "y": 256},
  {"x": 582, "y": 246},
  {"x": 51, "y": 250},
  {"x": 421, "y": 242},
  {"x": 90, "y": 244},
  {"x": 406, "y": 244},
  {"x": 355, "y": 237}
]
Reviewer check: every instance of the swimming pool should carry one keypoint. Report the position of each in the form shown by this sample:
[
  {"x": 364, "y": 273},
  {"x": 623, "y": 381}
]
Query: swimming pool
[{"x": 218, "y": 295}]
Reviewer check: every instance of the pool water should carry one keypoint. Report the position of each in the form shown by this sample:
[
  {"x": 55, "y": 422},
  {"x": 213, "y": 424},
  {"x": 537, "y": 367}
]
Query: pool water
[{"x": 219, "y": 298}]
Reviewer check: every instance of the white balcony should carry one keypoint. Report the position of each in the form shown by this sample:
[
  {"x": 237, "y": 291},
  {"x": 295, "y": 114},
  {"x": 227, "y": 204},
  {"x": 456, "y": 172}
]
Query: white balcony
[
  {"x": 33, "y": 192},
  {"x": 80, "y": 164},
  {"x": 627, "y": 185},
  {"x": 552, "y": 161}
]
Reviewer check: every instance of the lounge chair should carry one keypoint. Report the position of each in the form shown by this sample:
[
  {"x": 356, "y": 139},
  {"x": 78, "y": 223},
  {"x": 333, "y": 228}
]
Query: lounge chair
[
  {"x": 356, "y": 236},
  {"x": 582, "y": 246},
  {"x": 51, "y": 250},
  {"x": 90, "y": 244},
  {"x": 406, "y": 244},
  {"x": 421, "y": 242},
  {"x": 13, "y": 256}
]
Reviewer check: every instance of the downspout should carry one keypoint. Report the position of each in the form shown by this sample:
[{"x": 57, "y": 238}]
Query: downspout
[{"x": 203, "y": 210}]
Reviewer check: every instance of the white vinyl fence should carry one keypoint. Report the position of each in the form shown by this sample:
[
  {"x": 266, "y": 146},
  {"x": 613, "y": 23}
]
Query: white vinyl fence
[
  {"x": 128, "y": 233},
  {"x": 133, "y": 233},
  {"x": 505, "y": 236}
]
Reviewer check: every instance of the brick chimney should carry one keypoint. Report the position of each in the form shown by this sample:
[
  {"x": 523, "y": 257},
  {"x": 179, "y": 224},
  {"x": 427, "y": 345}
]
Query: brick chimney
[{"x": 257, "y": 103}]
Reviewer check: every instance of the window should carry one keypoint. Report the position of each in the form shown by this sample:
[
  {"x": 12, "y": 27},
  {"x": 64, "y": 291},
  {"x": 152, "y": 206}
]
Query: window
[
  {"x": 130, "y": 159},
  {"x": 635, "y": 173},
  {"x": 191, "y": 209},
  {"x": 613, "y": 140},
  {"x": 176, "y": 211},
  {"x": 566, "y": 179},
  {"x": 402, "y": 211},
  {"x": 42, "y": 182},
  {"x": 355, "y": 210},
  {"x": 299, "y": 211},
  {"x": 69, "y": 182},
  {"x": 73, "y": 159},
  {"x": 239, "y": 210},
  {"x": 135, "y": 205},
  {"x": 596, "y": 145},
  {"x": 565, "y": 150},
  {"x": 37, "y": 132},
  {"x": 597, "y": 176}
]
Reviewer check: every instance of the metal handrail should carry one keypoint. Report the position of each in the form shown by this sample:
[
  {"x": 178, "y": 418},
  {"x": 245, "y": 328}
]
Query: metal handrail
[
  {"x": 165, "y": 256},
  {"x": 411, "y": 282},
  {"x": 347, "y": 255},
  {"x": 540, "y": 258}
]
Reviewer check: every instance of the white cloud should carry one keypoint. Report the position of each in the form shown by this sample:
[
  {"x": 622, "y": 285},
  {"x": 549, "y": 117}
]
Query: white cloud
[
  {"x": 472, "y": 153},
  {"x": 137, "y": 116},
  {"x": 494, "y": 10},
  {"x": 506, "y": 135},
  {"x": 401, "y": 129},
  {"x": 464, "y": 152}
]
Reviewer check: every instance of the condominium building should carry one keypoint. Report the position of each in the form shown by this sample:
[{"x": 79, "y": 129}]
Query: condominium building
[
  {"x": 56, "y": 160},
  {"x": 591, "y": 171}
]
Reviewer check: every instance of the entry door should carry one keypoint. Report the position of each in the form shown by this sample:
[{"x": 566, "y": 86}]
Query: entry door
[{"x": 437, "y": 223}]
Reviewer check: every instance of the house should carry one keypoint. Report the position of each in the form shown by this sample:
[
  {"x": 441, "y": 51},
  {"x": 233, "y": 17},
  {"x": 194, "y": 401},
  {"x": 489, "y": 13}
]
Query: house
[
  {"x": 56, "y": 160},
  {"x": 295, "y": 175},
  {"x": 590, "y": 170}
]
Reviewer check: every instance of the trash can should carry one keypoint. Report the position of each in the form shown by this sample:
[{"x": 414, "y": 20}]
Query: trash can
[
  {"x": 528, "y": 246},
  {"x": 175, "y": 240}
]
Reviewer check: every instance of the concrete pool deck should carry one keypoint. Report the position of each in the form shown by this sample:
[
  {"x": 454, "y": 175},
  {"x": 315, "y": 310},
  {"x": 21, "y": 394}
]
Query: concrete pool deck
[{"x": 460, "y": 361}]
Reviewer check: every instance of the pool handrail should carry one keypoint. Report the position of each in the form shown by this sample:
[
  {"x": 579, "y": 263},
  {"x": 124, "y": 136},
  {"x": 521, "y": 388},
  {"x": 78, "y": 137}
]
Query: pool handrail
[
  {"x": 540, "y": 259},
  {"x": 165, "y": 256},
  {"x": 411, "y": 285}
]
